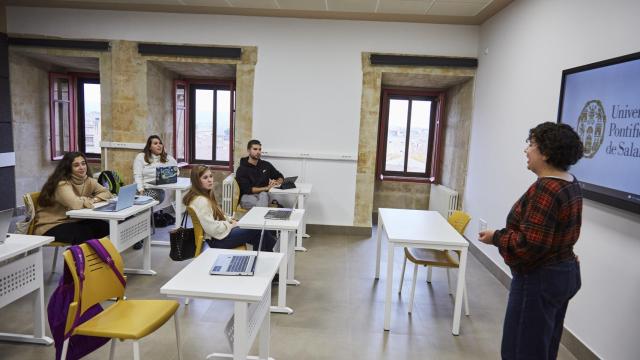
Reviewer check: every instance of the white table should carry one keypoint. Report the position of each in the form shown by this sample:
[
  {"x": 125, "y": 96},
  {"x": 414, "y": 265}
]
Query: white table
[
  {"x": 419, "y": 229},
  {"x": 126, "y": 227},
  {"x": 21, "y": 274},
  {"x": 251, "y": 296},
  {"x": 254, "y": 219},
  {"x": 302, "y": 190},
  {"x": 181, "y": 185}
]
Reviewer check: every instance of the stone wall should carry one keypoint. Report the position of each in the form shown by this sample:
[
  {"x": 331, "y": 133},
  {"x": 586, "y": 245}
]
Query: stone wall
[
  {"x": 30, "y": 118},
  {"x": 160, "y": 103},
  {"x": 371, "y": 193}
]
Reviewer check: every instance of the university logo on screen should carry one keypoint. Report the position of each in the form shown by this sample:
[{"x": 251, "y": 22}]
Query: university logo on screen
[{"x": 623, "y": 131}]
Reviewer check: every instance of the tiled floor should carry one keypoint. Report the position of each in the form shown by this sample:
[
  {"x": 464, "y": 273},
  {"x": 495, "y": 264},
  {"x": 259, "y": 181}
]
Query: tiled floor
[{"x": 338, "y": 311}]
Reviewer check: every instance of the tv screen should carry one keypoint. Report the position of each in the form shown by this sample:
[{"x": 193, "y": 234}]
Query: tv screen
[{"x": 601, "y": 101}]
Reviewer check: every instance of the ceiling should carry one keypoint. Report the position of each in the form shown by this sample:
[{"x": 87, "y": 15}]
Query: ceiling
[{"x": 472, "y": 12}]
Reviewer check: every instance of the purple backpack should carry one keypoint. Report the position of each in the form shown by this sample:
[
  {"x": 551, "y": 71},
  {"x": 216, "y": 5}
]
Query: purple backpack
[{"x": 58, "y": 307}]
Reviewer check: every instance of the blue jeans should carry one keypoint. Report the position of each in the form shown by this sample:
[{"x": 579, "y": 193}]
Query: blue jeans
[
  {"x": 239, "y": 237},
  {"x": 535, "y": 312}
]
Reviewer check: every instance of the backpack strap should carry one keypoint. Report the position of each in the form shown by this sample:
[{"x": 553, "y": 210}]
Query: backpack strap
[
  {"x": 104, "y": 255},
  {"x": 78, "y": 259}
]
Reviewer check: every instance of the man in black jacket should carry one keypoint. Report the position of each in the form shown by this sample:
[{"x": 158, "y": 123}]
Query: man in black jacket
[{"x": 256, "y": 177}]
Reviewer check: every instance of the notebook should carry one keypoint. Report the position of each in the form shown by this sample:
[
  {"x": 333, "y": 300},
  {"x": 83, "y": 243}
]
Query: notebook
[
  {"x": 5, "y": 221},
  {"x": 237, "y": 264},
  {"x": 280, "y": 214},
  {"x": 125, "y": 200},
  {"x": 165, "y": 175}
]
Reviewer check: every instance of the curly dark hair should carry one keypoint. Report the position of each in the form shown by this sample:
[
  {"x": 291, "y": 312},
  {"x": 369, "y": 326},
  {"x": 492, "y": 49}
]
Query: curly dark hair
[
  {"x": 61, "y": 173},
  {"x": 559, "y": 143}
]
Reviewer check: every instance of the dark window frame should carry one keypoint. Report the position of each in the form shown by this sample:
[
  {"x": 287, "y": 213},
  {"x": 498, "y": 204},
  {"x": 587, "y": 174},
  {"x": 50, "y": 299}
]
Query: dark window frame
[
  {"x": 185, "y": 108},
  {"x": 76, "y": 113},
  {"x": 191, "y": 85},
  {"x": 82, "y": 79},
  {"x": 432, "y": 168}
]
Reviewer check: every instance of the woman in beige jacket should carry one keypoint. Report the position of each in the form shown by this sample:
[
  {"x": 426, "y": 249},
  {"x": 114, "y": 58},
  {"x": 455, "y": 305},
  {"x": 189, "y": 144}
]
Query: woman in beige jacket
[{"x": 70, "y": 187}]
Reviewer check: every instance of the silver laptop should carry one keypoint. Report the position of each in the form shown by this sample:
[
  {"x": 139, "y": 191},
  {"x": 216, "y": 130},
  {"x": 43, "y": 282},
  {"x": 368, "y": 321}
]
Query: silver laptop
[
  {"x": 125, "y": 200},
  {"x": 5, "y": 221},
  {"x": 280, "y": 214},
  {"x": 245, "y": 265}
]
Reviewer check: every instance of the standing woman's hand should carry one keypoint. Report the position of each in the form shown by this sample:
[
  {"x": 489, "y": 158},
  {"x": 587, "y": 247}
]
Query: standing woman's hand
[{"x": 486, "y": 236}]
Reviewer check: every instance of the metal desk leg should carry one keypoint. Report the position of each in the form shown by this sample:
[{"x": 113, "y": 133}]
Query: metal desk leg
[
  {"x": 457, "y": 309},
  {"x": 291, "y": 263},
  {"x": 114, "y": 235},
  {"x": 389, "y": 285},
  {"x": 378, "y": 245},
  {"x": 303, "y": 231},
  {"x": 282, "y": 284}
]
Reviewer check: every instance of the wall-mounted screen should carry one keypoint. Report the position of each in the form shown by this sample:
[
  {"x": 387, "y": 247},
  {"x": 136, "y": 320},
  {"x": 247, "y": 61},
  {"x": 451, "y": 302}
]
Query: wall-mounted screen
[{"x": 601, "y": 101}]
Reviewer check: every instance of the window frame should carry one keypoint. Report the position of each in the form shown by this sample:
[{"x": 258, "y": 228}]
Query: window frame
[
  {"x": 191, "y": 85},
  {"x": 76, "y": 132},
  {"x": 53, "y": 76},
  {"x": 436, "y": 122},
  {"x": 185, "y": 141},
  {"x": 80, "y": 120}
]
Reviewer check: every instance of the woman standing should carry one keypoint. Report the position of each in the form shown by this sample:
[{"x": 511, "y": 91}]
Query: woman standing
[
  {"x": 70, "y": 187},
  {"x": 537, "y": 244},
  {"x": 220, "y": 230}
]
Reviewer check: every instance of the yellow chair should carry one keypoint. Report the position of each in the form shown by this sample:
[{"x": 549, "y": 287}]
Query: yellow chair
[
  {"x": 32, "y": 198},
  {"x": 239, "y": 211},
  {"x": 125, "y": 319},
  {"x": 436, "y": 258}
]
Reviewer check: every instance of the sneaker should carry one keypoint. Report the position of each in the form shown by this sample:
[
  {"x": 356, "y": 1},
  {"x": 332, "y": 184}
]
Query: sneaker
[{"x": 138, "y": 245}]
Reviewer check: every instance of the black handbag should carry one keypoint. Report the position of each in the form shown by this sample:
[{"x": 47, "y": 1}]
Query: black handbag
[{"x": 182, "y": 241}]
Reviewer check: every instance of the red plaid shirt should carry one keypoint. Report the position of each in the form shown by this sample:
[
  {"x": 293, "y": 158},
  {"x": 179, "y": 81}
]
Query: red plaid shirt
[{"x": 543, "y": 225}]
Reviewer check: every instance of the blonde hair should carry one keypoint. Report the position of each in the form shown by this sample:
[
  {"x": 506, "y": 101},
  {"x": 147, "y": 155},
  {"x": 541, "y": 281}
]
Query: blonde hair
[{"x": 197, "y": 190}]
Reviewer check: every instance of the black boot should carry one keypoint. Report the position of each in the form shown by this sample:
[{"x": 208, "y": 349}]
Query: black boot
[{"x": 138, "y": 245}]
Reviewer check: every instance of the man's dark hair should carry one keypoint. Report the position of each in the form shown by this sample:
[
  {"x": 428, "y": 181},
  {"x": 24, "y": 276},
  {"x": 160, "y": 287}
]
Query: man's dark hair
[
  {"x": 253, "y": 142},
  {"x": 559, "y": 143}
]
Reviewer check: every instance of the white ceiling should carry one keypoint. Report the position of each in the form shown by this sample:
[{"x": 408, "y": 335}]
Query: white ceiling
[{"x": 436, "y": 11}]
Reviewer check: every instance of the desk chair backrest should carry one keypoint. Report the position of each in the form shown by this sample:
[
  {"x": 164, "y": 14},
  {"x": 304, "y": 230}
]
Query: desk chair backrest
[
  {"x": 198, "y": 231},
  {"x": 100, "y": 282},
  {"x": 31, "y": 206},
  {"x": 459, "y": 220}
]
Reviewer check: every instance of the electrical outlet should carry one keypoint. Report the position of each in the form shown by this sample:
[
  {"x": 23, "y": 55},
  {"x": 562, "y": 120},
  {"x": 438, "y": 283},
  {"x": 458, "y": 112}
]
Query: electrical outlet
[{"x": 482, "y": 225}]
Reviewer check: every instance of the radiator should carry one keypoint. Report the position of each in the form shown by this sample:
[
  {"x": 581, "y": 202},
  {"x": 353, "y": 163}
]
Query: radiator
[
  {"x": 443, "y": 200},
  {"x": 227, "y": 195}
]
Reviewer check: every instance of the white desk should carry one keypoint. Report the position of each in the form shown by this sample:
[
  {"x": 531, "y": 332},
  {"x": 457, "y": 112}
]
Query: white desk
[
  {"x": 178, "y": 187},
  {"x": 21, "y": 274},
  {"x": 251, "y": 295},
  {"x": 302, "y": 191},
  {"x": 126, "y": 227},
  {"x": 254, "y": 219},
  {"x": 419, "y": 229}
]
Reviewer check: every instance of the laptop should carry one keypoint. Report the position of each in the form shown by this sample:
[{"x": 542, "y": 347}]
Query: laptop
[
  {"x": 280, "y": 214},
  {"x": 5, "y": 221},
  {"x": 125, "y": 200},
  {"x": 288, "y": 183},
  {"x": 244, "y": 265},
  {"x": 165, "y": 175}
]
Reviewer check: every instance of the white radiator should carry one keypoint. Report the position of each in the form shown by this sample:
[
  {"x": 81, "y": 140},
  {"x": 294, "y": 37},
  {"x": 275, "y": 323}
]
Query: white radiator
[
  {"x": 443, "y": 200},
  {"x": 227, "y": 195}
]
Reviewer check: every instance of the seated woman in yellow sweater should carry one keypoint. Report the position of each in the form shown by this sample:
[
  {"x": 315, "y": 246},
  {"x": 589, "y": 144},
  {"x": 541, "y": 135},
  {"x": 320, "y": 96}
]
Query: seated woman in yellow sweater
[
  {"x": 70, "y": 187},
  {"x": 220, "y": 230}
]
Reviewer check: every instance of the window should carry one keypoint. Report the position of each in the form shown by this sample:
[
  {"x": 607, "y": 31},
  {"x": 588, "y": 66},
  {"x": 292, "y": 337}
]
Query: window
[
  {"x": 409, "y": 135},
  {"x": 75, "y": 114},
  {"x": 204, "y": 114}
]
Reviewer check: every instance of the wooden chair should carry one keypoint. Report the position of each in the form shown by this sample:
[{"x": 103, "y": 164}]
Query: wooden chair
[
  {"x": 123, "y": 320},
  {"x": 31, "y": 199},
  {"x": 436, "y": 258}
]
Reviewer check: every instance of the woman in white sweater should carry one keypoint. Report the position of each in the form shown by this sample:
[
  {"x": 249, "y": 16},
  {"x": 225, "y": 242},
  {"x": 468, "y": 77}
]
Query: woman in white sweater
[
  {"x": 145, "y": 164},
  {"x": 220, "y": 230}
]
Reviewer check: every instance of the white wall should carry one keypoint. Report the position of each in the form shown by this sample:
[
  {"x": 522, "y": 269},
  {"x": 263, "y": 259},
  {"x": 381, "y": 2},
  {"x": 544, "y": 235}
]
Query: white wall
[
  {"x": 517, "y": 86},
  {"x": 308, "y": 81}
]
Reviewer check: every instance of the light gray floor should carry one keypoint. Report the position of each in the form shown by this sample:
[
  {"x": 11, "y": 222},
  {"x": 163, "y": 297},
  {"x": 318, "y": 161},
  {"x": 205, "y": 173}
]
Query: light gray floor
[{"x": 338, "y": 311}]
